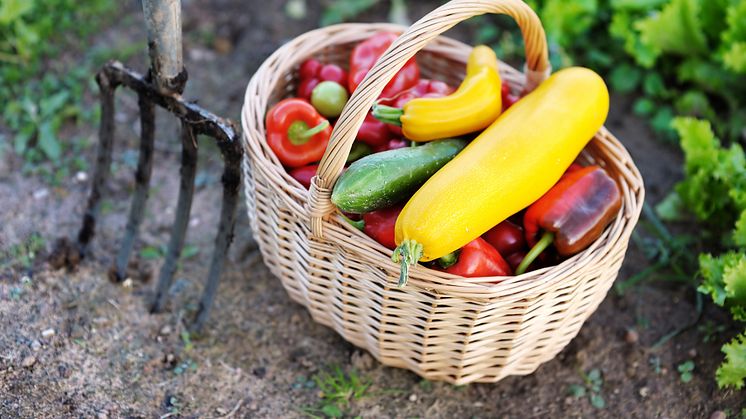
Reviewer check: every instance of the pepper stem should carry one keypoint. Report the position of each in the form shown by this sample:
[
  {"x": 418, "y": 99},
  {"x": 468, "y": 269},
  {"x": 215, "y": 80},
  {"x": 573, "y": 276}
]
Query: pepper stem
[
  {"x": 535, "y": 251},
  {"x": 407, "y": 253},
  {"x": 388, "y": 114},
  {"x": 359, "y": 224},
  {"x": 299, "y": 133},
  {"x": 448, "y": 260}
]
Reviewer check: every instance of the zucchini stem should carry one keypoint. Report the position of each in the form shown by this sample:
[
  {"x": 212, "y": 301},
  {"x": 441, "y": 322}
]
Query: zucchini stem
[
  {"x": 407, "y": 253},
  {"x": 535, "y": 251},
  {"x": 388, "y": 114}
]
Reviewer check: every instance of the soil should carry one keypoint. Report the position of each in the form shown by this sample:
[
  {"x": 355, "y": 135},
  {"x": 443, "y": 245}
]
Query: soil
[{"x": 73, "y": 344}]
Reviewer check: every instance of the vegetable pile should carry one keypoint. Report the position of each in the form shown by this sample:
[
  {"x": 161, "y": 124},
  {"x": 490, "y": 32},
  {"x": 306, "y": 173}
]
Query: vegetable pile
[{"x": 474, "y": 181}]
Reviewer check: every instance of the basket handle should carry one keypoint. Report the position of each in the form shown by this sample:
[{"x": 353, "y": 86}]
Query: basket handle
[{"x": 401, "y": 50}]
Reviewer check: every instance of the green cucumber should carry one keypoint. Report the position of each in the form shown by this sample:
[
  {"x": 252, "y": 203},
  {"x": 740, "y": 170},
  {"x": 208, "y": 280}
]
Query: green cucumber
[{"x": 385, "y": 179}]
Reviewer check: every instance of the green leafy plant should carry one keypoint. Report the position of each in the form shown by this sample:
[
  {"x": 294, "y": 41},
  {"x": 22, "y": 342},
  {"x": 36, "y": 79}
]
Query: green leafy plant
[
  {"x": 714, "y": 190},
  {"x": 40, "y": 95},
  {"x": 338, "y": 389},
  {"x": 686, "y": 370},
  {"x": 591, "y": 387}
]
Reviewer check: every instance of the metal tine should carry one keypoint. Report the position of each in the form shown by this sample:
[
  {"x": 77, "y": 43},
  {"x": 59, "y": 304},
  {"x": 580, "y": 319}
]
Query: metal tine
[
  {"x": 142, "y": 186},
  {"x": 231, "y": 179},
  {"x": 181, "y": 221},
  {"x": 103, "y": 161}
]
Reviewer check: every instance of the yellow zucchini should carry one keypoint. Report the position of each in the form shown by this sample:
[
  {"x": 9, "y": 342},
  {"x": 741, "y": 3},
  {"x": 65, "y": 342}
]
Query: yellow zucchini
[{"x": 507, "y": 167}]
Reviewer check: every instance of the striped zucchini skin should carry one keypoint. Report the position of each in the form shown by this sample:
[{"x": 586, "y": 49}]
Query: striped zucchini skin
[{"x": 385, "y": 179}]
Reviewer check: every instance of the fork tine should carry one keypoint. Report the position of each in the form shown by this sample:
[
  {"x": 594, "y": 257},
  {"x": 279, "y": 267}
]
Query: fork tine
[
  {"x": 231, "y": 179},
  {"x": 142, "y": 185},
  {"x": 183, "y": 208},
  {"x": 103, "y": 160}
]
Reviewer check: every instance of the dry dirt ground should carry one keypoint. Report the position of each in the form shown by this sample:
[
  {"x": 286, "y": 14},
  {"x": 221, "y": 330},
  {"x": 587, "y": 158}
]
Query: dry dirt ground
[{"x": 73, "y": 344}]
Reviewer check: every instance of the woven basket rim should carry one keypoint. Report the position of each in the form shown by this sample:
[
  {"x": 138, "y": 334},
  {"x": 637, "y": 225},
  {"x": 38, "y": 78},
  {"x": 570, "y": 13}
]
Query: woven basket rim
[{"x": 616, "y": 234}]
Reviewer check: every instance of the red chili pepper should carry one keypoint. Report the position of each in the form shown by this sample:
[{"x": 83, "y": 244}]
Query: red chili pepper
[
  {"x": 297, "y": 133},
  {"x": 312, "y": 72},
  {"x": 478, "y": 259},
  {"x": 365, "y": 55},
  {"x": 393, "y": 144},
  {"x": 304, "y": 174},
  {"x": 506, "y": 237},
  {"x": 573, "y": 213},
  {"x": 373, "y": 132},
  {"x": 423, "y": 88},
  {"x": 379, "y": 225}
]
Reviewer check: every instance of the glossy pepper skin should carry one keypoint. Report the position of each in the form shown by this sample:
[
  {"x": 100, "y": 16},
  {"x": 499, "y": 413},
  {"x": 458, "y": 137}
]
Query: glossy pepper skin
[
  {"x": 296, "y": 132},
  {"x": 379, "y": 225},
  {"x": 576, "y": 210},
  {"x": 365, "y": 55},
  {"x": 505, "y": 169},
  {"x": 373, "y": 132},
  {"x": 506, "y": 237},
  {"x": 304, "y": 174},
  {"x": 472, "y": 107},
  {"x": 479, "y": 259}
]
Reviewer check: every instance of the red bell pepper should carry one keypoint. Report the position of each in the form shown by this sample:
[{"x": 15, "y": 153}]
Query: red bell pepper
[
  {"x": 296, "y": 132},
  {"x": 506, "y": 237},
  {"x": 508, "y": 98},
  {"x": 365, "y": 55},
  {"x": 477, "y": 259},
  {"x": 379, "y": 225},
  {"x": 393, "y": 144},
  {"x": 373, "y": 132},
  {"x": 572, "y": 214},
  {"x": 312, "y": 72},
  {"x": 304, "y": 174},
  {"x": 423, "y": 88}
]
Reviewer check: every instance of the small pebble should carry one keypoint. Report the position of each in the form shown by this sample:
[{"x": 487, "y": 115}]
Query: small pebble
[
  {"x": 165, "y": 330},
  {"x": 718, "y": 414},
  {"x": 221, "y": 411},
  {"x": 631, "y": 336},
  {"x": 692, "y": 353},
  {"x": 47, "y": 333},
  {"x": 478, "y": 404},
  {"x": 81, "y": 176},
  {"x": 28, "y": 362},
  {"x": 644, "y": 392},
  {"x": 102, "y": 415},
  {"x": 41, "y": 193},
  {"x": 35, "y": 345},
  {"x": 127, "y": 283},
  {"x": 412, "y": 397}
]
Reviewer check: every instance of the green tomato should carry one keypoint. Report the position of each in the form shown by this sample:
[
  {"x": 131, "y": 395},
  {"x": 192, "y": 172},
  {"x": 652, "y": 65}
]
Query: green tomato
[{"x": 329, "y": 98}]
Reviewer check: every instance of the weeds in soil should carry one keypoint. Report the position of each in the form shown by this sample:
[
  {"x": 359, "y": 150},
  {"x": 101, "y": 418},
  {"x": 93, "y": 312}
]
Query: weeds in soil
[
  {"x": 686, "y": 370},
  {"x": 711, "y": 331},
  {"x": 41, "y": 90},
  {"x": 22, "y": 255},
  {"x": 338, "y": 389},
  {"x": 592, "y": 386}
]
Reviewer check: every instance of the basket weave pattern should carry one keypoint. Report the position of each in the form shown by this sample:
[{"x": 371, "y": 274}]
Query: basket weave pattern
[{"x": 440, "y": 326}]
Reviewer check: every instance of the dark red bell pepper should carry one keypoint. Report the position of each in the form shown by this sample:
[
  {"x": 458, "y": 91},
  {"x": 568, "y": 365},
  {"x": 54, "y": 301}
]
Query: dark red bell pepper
[
  {"x": 373, "y": 132},
  {"x": 508, "y": 98},
  {"x": 312, "y": 72},
  {"x": 572, "y": 214},
  {"x": 365, "y": 55},
  {"x": 393, "y": 144},
  {"x": 296, "y": 132},
  {"x": 379, "y": 225},
  {"x": 506, "y": 237},
  {"x": 477, "y": 259},
  {"x": 304, "y": 174}
]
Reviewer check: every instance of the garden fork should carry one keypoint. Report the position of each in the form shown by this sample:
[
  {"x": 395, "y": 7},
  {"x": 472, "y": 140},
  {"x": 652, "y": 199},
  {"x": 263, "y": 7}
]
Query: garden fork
[{"x": 163, "y": 86}]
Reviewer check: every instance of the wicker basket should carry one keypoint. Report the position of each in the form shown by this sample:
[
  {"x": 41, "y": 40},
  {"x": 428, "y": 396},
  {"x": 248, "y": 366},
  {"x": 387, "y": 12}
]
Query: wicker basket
[{"x": 440, "y": 326}]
